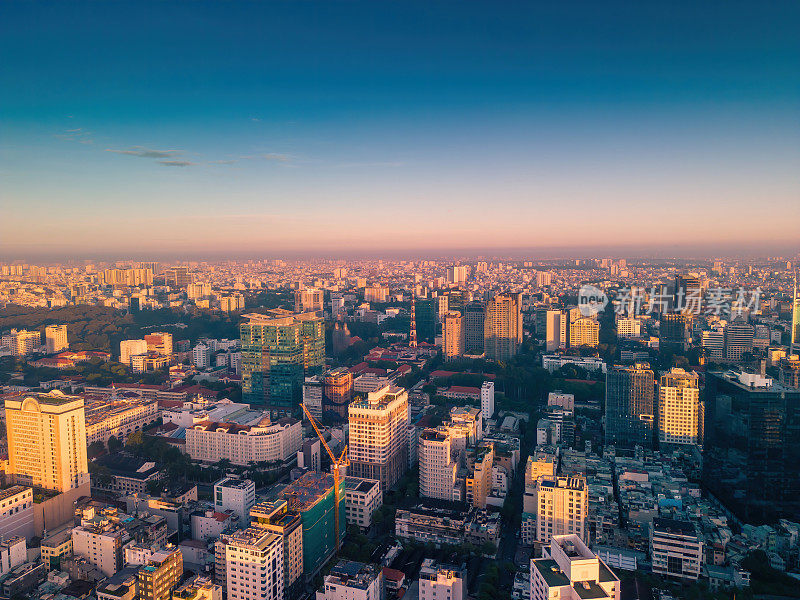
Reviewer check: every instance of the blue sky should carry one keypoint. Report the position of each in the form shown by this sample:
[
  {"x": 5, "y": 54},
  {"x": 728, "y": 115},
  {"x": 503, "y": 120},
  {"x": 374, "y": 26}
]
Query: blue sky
[{"x": 268, "y": 127}]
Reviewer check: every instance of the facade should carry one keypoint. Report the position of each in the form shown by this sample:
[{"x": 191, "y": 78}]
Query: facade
[
  {"x": 160, "y": 574},
  {"x": 425, "y": 310},
  {"x": 474, "y": 318},
  {"x": 679, "y": 410},
  {"x": 752, "y": 445},
  {"x": 562, "y": 507},
  {"x": 16, "y": 512},
  {"x": 47, "y": 441},
  {"x": 437, "y": 469},
  {"x": 278, "y": 350},
  {"x": 453, "y": 334},
  {"x": 378, "y": 446},
  {"x": 159, "y": 342},
  {"x": 362, "y": 498},
  {"x": 439, "y": 581},
  {"x": 211, "y": 442},
  {"x": 487, "y": 399},
  {"x": 254, "y": 565},
  {"x": 676, "y": 549},
  {"x": 570, "y": 571},
  {"x": 22, "y": 342},
  {"x": 118, "y": 418},
  {"x": 629, "y": 328},
  {"x": 630, "y": 406},
  {"x": 584, "y": 332},
  {"x": 738, "y": 340},
  {"x": 236, "y": 495},
  {"x": 276, "y": 518},
  {"x": 55, "y": 338},
  {"x": 350, "y": 580},
  {"x": 503, "y": 326}
]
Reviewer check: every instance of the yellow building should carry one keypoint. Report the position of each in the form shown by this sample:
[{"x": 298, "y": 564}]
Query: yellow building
[
  {"x": 47, "y": 441},
  {"x": 55, "y": 337},
  {"x": 275, "y": 517},
  {"x": 584, "y": 332},
  {"x": 453, "y": 334},
  {"x": 562, "y": 507},
  {"x": 503, "y": 327},
  {"x": 679, "y": 410},
  {"x": 160, "y": 575},
  {"x": 479, "y": 483}
]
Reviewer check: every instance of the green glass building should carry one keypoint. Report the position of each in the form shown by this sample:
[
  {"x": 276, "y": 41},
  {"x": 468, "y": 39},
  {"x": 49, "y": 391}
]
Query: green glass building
[
  {"x": 425, "y": 315},
  {"x": 278, "y": 349}
]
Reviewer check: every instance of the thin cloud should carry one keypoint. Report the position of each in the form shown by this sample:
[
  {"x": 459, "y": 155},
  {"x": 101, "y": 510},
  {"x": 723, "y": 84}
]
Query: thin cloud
[
  {"x": 356, "y": 165},
  {"x": 271, "y": 156},
  {"x": 177, "y": 163},
  {"x": 78, "y": 134},
  {"x": 143, "y": 152}
]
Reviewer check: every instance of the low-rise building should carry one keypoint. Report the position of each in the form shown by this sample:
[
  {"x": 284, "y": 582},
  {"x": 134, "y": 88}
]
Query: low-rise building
[
  {"x": 349, "y": 580},
  {"x": 16, "y": 512},
  {"x": 362, "y": 498},
  {"x": 439, "y": 581},
  {"x": 267, "y": 442},
  {"x": 236, "y": 495},
  {"x": 676, "y": 549}
]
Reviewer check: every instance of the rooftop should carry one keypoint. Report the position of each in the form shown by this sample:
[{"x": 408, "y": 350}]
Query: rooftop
[
  {"x": 550, "y": 572},
  {"x": 352, "y": 574}
]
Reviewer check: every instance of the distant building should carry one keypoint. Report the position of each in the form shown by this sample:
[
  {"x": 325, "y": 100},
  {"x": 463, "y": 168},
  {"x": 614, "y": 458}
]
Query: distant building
[
  {"x": 584, "y": 332},
  {"x": 236, "y": 495},
  {"x": 437, "y": 469},
  {"x": 738, "y": 340},
  {"x": 159, "y": 342},
  {"x": 474, "y": 318},
  {"x": 362, "y": 498},
  {"x": 630, "y": 406},
  {"x": 453, "y": 334},
  {"x": 487, "y": 399},
  {"x": 308, "y": 300},
  {"x": 562, "y": 507},
  {"x": 425, "y": 316},
  {"x": 22, "y": 342},
  {"x": 503, "y": 326},
  {"x": 56, "y": 338}
]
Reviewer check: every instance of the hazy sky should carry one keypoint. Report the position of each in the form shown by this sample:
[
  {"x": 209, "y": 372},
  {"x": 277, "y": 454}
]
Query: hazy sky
[{"x": 262, "y": 127}]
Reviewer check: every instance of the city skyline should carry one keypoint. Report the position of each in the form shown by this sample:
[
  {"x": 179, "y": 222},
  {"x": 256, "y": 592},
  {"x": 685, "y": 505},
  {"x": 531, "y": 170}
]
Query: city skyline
[{"x": 357, "y": 129}]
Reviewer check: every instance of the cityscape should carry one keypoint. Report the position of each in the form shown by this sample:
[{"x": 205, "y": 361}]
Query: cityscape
[{"x": 383, "y": 301}]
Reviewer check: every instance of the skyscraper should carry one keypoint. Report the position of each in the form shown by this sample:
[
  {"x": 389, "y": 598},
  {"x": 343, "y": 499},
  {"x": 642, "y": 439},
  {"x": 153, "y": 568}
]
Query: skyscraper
[
  {"x": 278, "y": 349},
  {"x": 630, "y": 406},
  {"x": 437, "y": 469},
  {"x": 738, "y": 340},
  {"x": 503, "y": 326},
  {"x": 55, "y": 337},
  {"x": 453, "y": 334},
  {"x": 275, "y": 517},
  {"x": 308, "y": 300},
  {"x": 425, "y": 310},
  {"x": 474, "y": 317},
  {"x": 337, "y": 390},
  {"x": 379, "y": 436},
  {"x": 47, "y": 441},
  {"x": 679, "y": 410},
  {"x": 675, "y": 331},
  {"x": 751, "y": 450}
]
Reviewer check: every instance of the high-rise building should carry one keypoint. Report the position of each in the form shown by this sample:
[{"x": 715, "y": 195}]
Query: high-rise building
[
  {"x": 562, "y": 507},
  {"x": 276, "y": 518},
  {"x": 438, "y": 581},
  {"x": 376, "y": 293},
  {"x": 738, "y": 340},
  {"x": 584, "y": 332},
  {"x": 159, "y": 342},
  {"x": 688, "y": 290},
  {"x": 254, "y": 565},
  {"x": 679, "y": 411},
  {"x": 629, "y": 328},
  {"x": 55, "y": 337},
  {"x": 425, "y": 310},
  {"x": 278, "y": 349},
  {"x": 453, "y": 334},
  {"x": 178, "y": 277},
  {"x": 129, "y": 348},
  {"x": 457, "y": 274},
  {"x": 47, "y": 441},
  {"x": 676, "y": 549},
  {"x": 480, "y": 465},
  {"x": 570, "y": 571},
  {"x": 474, "y": 317},
  {"x": 337, "y": 390},
  {"x": 503, "y": 326},
  {"x": 437, "y": 469},
  {"x": 752, "y": 446},
  {"x": 630, "y": 407},
  {"x": 308, "y": 300},
  {"x": 675, "y": 331},
  {"x": 713, "y": 343},
  {"x": 379, "y": 436},
  {"x": 233, "y": 303},
  {"x": 487, "y": 399},
  {"x": 556, "y": 330},
  {"x": 160, "y": 575}
]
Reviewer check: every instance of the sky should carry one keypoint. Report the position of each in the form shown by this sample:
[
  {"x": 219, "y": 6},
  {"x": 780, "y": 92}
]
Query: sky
[{"x": 199, "y": 128}]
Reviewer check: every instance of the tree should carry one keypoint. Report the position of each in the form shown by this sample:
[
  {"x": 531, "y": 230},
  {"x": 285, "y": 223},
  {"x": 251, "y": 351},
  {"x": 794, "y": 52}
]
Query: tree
[
  {"x": 114, "y": 445},
  {"x": 95, "y": 449},
  {"x": 135, "y": 439}
]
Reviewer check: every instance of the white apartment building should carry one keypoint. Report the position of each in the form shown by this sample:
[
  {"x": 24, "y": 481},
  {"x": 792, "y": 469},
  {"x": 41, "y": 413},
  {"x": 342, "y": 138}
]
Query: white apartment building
[
  {"x": 437, "y": 469},
  {"x": 350, "y": 580},
  {"x": 211, "y": 442},
  {"x": 16, "y": 512},
  {"x": 378, "y": 446},
  {"x": 47, "y": 441},
  {"x": 55, "y": 338},
  {"x": 562, "y": 504},
  {"x": 236, "y": 495},
  {"x": 487, "y": 399},
  {"x": 676, "y": 549},
  {"x": 568, "y": 570},
  {"x": 441, "y": 582},
  {"x": 254, "y": 565},
  {"x": 201, "y": 356},
  {"x": 362, "y": 498},
  {"x": 101, "y": 544},
  {"x": 679, "y": 409}
]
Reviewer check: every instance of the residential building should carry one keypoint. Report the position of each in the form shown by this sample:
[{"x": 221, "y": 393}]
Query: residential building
[
  {"x": 439, "y": 581},
  {"x": 676, "y": 549},
  {"x": 362, "y": 498},
  {"x": 201, "y": 356},
  {"x": 55, "y": 338},
  {"x": 629, "y": 328},
  {"x": 378, "y": 447},
  {"x": 22, "y": 342},
  {"x": 236, "y": 495},
  {"x": 47, "y": 441},
  {"x": 254, "y": 565},
  {"x": 503, "y": 326},
  {"x": 350, "y": 580},
  {"x": 376, "y": 293},
  {"x": 679, "y": 411},
  {"x": 478, "y": 485},
  {"x": 100, "y": 540},
  {"x": 584, "y": 332},
  {"x": 487, "y": 399},
  {"x": 474, "y": 318},
  {"x": 211, "y": 442},
  {"x": 159, "y": 342},
  {"x": 308, "y": 300},
  {"x": 437, "y": 469},
  {"x": 562, "y": 507},
  {"x": 425, "y": 310},
  {"x": 453, "y": 334},
  {"x": 16, "y": 512},
  {"x": 568, "y": 570},
  {"x": 675, "y": 331},
  {"x": 160, "y": 574},
  {"x": 738, "y": 340},
  {"x": 556, "y": 330},
  {"x": 630, "y": 406},
  {"x": 276, "y": 518},
  {"x": 198, "y": 587}
]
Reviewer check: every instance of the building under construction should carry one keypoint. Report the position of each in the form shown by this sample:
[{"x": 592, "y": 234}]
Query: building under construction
[{"x": 313, "y": 498}]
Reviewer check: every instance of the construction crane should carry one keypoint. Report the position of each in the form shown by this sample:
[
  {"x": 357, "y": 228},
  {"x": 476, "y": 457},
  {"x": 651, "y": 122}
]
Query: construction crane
[{"x": 336, "y": 464}]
